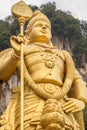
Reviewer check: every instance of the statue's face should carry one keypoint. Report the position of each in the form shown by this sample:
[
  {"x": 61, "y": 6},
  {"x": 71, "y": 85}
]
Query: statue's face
[{"x": 40, "y": 32}]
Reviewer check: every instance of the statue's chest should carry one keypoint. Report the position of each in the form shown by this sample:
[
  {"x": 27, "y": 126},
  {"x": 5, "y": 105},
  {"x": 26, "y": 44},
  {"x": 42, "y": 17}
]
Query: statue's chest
[{"x": 47, "y": 56}]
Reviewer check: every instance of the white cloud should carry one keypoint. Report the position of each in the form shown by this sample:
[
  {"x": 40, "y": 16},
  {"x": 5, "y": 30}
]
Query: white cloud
[
  {"x": 78, "y": 8},
  {"x": 5, "y": 5}
]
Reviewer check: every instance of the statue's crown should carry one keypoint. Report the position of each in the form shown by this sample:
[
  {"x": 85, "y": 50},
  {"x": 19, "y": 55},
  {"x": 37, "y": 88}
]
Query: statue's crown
[{"x": 37, "y": 15}]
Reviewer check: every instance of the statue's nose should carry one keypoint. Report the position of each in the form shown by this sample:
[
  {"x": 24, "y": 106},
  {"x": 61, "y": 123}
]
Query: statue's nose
[{"x": 44, "y": 27}]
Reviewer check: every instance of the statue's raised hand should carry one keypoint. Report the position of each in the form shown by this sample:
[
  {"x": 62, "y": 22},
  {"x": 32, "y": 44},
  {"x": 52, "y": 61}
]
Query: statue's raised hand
[{"x": 16, "y": 43}]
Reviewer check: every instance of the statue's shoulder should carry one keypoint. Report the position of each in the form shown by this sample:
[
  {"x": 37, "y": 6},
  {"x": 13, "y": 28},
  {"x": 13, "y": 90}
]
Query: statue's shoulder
[
  {"x": 65, "y": 53},
  {"x": 6, "y": 52}
]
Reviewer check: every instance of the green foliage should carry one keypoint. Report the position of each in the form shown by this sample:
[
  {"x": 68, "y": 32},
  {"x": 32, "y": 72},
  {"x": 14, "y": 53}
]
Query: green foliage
[
  {"x": 48, "y": 9},
  {"x": 4, "y": 35},
  {"x": 84, "y": 28},
  {"x": 8, "y": 27},
  {"x": 33, "y": 7},
  {"x": 72, "y": 28},
  {"x": 85, "y": 117},
  {"x": 79, "y": 49}
]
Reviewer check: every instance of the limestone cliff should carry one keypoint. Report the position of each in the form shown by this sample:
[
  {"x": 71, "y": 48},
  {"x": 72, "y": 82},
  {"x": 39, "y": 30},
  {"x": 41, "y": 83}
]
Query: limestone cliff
[{"x": 66, "y": 45}]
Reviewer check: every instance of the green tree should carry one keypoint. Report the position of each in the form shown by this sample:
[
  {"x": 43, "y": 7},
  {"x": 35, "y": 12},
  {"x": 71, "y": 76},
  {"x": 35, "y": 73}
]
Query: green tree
[
  {"x": 4, "y": 34},
  {"x": 85, "y": 117},
  {"x": 84, "y": 28}
]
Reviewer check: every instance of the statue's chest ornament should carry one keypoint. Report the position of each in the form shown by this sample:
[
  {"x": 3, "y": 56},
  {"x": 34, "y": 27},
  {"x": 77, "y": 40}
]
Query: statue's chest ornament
[{"x": 49, "y": 56}]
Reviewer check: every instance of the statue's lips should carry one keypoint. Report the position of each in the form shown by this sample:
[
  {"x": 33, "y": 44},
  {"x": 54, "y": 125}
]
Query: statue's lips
[{"x": 43, "y": 31}]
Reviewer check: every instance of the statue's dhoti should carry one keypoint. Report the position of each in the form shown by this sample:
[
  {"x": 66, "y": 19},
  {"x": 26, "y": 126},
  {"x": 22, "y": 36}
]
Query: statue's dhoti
[{"x": 39, "y": 114}]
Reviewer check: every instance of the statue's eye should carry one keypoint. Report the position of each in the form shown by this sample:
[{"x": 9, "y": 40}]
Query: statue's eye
[{"x": 38, "y": 25}]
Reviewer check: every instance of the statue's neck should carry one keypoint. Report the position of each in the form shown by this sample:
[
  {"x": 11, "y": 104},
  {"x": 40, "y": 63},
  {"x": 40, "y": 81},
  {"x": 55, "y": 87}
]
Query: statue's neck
[{"x": 43, "y": 44}]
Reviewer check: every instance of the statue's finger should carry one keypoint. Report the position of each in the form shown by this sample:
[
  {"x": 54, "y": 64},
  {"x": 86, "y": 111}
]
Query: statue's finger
[
  {"x": 71, "y": 109},
  {"x": 68, "y": 107},
  {"x": 67, "y": 103}
]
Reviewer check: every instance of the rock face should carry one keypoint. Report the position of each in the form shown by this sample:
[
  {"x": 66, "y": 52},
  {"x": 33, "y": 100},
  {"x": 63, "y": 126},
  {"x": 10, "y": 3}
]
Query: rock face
[
  {"x": 64, "y": 44},
  {"x": 6, "y": 93},
  {"x": 6, "y": 87}
]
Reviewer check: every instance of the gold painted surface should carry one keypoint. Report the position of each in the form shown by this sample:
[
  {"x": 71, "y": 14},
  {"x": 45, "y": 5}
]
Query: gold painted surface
[
  {"x": 21, "y": 9},
  {"x": 54, "y": 93}
]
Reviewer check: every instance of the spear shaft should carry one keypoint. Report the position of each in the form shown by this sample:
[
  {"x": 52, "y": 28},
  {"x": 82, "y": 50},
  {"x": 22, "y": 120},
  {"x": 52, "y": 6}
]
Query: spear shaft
[
  {"x": 22, "y": 74},
  {"x": 22, "y": 89},
  {"x": 23, "y": 13}
]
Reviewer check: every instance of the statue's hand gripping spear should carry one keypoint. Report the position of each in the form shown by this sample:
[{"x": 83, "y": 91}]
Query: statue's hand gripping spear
[{"x": 23, "y": 13}]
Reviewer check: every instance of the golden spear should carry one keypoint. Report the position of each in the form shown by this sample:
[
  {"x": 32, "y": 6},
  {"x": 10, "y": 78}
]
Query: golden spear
[{"x": 23, "y": 13}]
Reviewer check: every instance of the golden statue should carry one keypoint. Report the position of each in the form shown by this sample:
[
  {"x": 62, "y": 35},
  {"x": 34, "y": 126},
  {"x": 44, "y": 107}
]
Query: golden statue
[{"x": 54, "y": 93}]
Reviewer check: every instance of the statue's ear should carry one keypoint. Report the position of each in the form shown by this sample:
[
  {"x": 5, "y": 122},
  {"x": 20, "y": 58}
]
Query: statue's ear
[
  {"x": 27, "y": 36},
  {"x": 26, "y": 39}
]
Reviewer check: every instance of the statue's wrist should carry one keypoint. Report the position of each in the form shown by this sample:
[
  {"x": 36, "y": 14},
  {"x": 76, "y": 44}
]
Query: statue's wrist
[{"x": 82, "y": 99}]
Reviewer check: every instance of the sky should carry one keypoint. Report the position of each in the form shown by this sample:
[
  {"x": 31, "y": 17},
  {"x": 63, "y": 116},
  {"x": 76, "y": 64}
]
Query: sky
[{"x": 78, "y": 8}]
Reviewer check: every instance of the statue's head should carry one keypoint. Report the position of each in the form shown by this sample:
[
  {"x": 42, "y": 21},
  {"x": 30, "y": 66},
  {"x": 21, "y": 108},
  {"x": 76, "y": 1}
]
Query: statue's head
[{"x": 39, "y": 28}]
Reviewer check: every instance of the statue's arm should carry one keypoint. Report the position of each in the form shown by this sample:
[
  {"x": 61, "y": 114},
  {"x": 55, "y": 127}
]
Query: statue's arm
[
  {"x": 10, "y": 58},
  {"x": 79, "y": 87},
  {"x": 73, "y": 103},
  {"x": 8, "y": 64}
]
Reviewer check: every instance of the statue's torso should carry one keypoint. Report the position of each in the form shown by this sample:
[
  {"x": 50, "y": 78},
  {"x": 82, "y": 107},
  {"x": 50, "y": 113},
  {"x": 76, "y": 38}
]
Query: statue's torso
[{"x": 45, "y": 64}]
